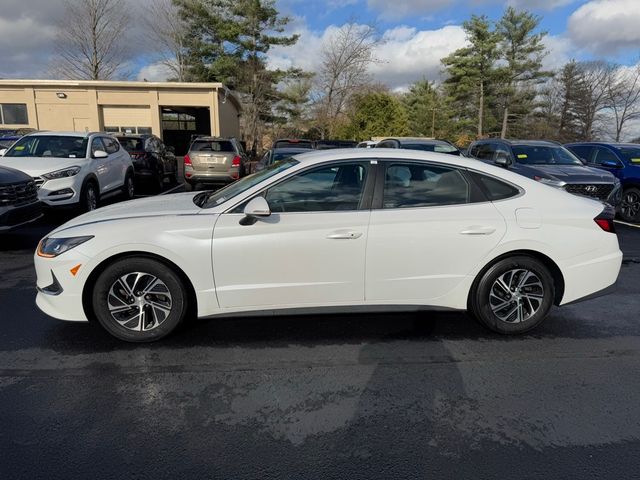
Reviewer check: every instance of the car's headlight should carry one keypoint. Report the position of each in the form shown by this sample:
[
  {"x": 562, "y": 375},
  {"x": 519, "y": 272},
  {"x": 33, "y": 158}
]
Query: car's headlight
[
  {"x": 52, "y": 247},
  {"x": 550, "y": 182},
  {"x": 65, "y": 172}
]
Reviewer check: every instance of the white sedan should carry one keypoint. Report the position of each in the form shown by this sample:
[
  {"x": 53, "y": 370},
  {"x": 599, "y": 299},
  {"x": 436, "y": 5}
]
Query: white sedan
[{"x": 335, "y": 229}]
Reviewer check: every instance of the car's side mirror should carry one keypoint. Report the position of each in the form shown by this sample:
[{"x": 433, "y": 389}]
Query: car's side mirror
[
  {"x": 502, "y": 160},
  {"x": 610, "y": 164},
  {"x": 100, "y": 154},
  {"x": 2, "y": 152},
  {"x": 256, "y": 208}
]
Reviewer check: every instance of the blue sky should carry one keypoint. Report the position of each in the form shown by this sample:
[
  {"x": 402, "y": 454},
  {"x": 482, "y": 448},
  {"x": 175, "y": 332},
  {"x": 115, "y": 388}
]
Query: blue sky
[{"x": 416, "y": 33}]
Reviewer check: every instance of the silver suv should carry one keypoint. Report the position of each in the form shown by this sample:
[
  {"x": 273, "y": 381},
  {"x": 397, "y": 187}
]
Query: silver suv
[{"x": 214, "y": 160}]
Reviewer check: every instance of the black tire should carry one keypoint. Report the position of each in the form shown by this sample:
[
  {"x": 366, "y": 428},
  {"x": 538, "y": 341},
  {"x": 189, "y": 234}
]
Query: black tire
[
  {"x": 487, "y": 294},
  {"x": 89, "y": 196},
  {"x": 129, "y": 189},
  {"x": 630, "y": 205},
  {"x": 157, "y": 181},
  {"x": 161, "y": 322}
]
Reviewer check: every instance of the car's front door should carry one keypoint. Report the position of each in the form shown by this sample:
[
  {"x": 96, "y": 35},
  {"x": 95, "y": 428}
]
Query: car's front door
[
  {"x": 430, "y": 226},
  {"x": 116, "y": 164},
  {"x": 101, "y": 165},
  {"x": 309, "y": 252},
  {"x": 607, "y": 160}
]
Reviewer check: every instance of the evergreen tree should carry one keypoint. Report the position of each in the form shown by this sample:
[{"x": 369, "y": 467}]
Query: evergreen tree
[
  {"x": 376, "y": 114},
  {"x": 471, "y": 74},
  {"x": 523, "y": 51}
]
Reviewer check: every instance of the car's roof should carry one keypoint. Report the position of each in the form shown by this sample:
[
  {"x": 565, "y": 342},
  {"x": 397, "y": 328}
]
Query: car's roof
[
  {"x": 63, "y": 134},
  {"x": 290, "y": 149},
  {"x": 610, "y": 144},
  {"x": 532, "y": 143}
]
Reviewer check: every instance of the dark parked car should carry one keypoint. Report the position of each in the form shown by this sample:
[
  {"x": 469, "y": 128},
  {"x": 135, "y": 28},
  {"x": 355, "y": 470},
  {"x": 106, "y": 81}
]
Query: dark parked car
[
  {"x": 277, "y": 154},
  {"x": 293, "y": 143},
  {"x": 153, "y": 162},
  {"x": 623, "y": 161},
  {"x": 549, "y": 163},
  {"x": 328, "y": 144},
  {"x": 419, "y": 143},
  {"x": 214, "y": 160},
  {"x": 19, "y": 202}
]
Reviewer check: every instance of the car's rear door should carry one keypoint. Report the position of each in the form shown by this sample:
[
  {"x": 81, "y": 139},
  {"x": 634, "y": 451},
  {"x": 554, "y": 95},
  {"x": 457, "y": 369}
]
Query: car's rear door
[
  {"x": 430, "y": 226},
  {"x": 309, "y": 252}
]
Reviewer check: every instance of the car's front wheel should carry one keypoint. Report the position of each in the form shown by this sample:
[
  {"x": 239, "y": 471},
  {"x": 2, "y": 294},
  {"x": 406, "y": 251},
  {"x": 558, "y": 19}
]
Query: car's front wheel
[
  {"x": 514, "y": 295},
  {"x": 630, "y": 205},
  {"x": 89, "y": 197},
  {"x": 128, "y": 189},
  {"x": 139, "y": 299}
]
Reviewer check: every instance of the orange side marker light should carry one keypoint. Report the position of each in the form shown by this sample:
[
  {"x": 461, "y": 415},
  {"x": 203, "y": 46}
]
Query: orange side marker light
[{"x": 75, "y": 269}]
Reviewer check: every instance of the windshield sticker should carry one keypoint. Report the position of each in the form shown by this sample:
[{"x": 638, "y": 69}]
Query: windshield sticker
[
  {"x": 522, "y": 155},
  {"x": 635, "y": 160},
  {"x": 19, "y": 147}
]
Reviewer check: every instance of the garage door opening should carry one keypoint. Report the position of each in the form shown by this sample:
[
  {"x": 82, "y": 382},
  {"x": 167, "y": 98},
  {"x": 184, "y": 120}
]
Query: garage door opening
[{"x": 180, "y": 124}]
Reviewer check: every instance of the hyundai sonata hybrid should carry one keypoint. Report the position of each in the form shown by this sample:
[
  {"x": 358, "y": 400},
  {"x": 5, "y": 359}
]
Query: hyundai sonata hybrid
[{"x": 334, "y": 230}]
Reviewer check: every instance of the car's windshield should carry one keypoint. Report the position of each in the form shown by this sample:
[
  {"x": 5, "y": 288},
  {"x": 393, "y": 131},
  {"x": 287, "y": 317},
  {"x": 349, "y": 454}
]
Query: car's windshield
[
  {"x": 213, "y": 199},
  {"x": 544, "y": 155},
  {"x": 131, "y": 144},
  {"x": 630, "y": 154},
  {"x": 55, "y": 146}
]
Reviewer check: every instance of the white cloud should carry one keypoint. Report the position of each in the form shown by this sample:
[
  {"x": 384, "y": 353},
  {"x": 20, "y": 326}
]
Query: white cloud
[
  {"x": 560, "y": 50},
  {"x": 407, "y": 54},
  {"x": 155, "y": 72},
  {"x": 606, "y": 26}
]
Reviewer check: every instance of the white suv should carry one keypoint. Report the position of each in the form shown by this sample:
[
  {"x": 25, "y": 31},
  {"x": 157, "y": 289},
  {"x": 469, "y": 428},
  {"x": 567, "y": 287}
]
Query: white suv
[{"x": 72, "y": 169}]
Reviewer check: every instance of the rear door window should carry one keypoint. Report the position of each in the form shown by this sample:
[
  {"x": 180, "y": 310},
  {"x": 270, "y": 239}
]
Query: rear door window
[
  {"x": 412, "y": 185},
  {"x": 212, "y": 146}
]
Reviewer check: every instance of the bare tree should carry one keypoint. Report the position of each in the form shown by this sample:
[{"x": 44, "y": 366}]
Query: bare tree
[
  {"x": 591, "y": 96},
  {"x": 624, "y": 97},
  {"x": 167, "y": 31},
  {"x": 346, "y": 58},
  {"x": 90, "y": 42}
]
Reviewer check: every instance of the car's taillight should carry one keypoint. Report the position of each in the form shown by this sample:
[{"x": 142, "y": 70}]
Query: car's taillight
[
  {"x": 236, "y": 161},
  {"x": 187, "y": 160},
  {"x": 605, "y": 219}
]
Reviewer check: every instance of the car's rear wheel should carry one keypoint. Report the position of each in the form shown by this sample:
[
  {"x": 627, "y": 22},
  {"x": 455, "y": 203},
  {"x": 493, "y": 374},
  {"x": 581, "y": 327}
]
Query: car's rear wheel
[
  {"x": 128, "y": 189},
  {"x": 138, "y": 299},
  {"x": 630, "y": 205},
  {"x": 514, "y": 295},
  {"x": 89, "y": 197}
]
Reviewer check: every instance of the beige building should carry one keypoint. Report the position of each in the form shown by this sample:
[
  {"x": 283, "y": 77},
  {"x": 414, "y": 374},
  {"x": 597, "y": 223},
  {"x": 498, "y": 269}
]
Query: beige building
[{"x": 172, "y": 110}]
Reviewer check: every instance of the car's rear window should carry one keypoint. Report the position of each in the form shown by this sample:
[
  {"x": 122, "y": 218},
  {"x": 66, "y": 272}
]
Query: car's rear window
[
  {"x": 131, "y": 144},
  {"x": 293, "y": 143},
  {"x": 496, "y": 189},
  {"x": 212, "y": 146}
]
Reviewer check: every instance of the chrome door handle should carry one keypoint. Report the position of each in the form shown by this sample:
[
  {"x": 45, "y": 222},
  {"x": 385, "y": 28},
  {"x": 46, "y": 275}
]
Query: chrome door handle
[
  {"x": 478, "y": 230},
  {"x": 344, "y": 235}
]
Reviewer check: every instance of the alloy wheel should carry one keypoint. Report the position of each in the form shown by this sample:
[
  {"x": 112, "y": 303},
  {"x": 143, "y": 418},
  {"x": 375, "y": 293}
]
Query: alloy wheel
[
  {"x": 91, "y": 198},
  {"x": 139, "y": 301},
  {"x": 630, "y": 205},
  {"x": 130, "y": 187},
  {"x": 516, "y": 295}
]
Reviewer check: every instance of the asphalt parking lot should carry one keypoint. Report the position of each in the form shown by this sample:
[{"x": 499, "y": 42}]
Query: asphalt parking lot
[{"x": 328, "y": 397}]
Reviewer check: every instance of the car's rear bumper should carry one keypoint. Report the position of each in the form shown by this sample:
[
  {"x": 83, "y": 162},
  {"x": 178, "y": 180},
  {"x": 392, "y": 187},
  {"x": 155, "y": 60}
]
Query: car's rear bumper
[{"x": 587, "y": 277}]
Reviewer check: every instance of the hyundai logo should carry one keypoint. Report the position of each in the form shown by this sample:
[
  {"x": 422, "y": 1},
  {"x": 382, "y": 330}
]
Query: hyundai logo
[{"x": 591, "y": 189}]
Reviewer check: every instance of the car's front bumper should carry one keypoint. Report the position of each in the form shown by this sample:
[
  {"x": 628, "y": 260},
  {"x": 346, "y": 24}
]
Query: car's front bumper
[
  {"x": 61, "y": 191},
  {"x": 14, "y": 217},
  {"x": 59, "y": 290}
]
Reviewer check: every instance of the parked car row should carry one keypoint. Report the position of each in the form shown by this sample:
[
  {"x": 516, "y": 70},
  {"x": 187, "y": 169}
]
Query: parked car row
[{"x": 77, "y": 170}]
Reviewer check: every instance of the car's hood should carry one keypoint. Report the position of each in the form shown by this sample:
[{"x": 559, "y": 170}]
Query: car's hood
[
  {"x": 567, "y": 173},
  {"x": 10, "y": 175},
  {"x": 37, "y": 166},
  {"x": 161, "y": 205}
]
